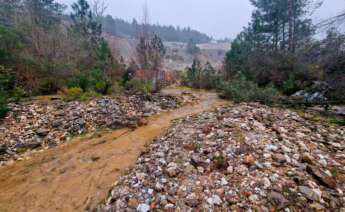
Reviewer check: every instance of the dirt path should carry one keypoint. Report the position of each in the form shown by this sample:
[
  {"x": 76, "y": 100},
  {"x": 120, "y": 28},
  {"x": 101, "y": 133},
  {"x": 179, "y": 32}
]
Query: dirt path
[{"x": 76, "y": 176}]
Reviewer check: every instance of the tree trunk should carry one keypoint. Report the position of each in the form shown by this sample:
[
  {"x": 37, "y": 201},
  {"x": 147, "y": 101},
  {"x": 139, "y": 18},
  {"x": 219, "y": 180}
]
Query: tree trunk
[{"x": 291, "y": 25}]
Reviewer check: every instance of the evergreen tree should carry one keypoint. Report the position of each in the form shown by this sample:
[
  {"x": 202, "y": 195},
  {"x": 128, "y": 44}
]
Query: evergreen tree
[{"x": 85, "y": 23}]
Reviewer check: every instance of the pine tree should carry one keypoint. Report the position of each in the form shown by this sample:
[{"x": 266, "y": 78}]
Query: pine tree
[{"x": 85, "y": 23}]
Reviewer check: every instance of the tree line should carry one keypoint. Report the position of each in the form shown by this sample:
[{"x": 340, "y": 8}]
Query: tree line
[{"x": 118, "y": 27}]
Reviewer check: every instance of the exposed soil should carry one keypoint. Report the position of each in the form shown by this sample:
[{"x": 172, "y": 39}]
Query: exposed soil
[{"x": 76, "y": 176}]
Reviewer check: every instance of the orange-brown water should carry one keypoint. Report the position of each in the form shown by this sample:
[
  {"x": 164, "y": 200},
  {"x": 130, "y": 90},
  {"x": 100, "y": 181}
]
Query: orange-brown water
[{"x": 76, "y": 176}]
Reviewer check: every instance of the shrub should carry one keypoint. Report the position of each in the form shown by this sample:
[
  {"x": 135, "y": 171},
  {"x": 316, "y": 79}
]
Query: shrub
[
  {"x": 5, "y": 78},
  {"x": 288, "y": 86},
  {"x": 80, "y": 80},
  {"x": 101, "y": 87},
  {"x": 89, "y": 95},
  {"x": 137, "y": 85},
  {"x": 18, "y": 93},
  {"x": 116, "y": 87},
  {"x": 3, "y": 102},
  {"x": 339, "y": 122},
  {"x": 74, "y": 93},
  {"x": 242, "y": 90}
]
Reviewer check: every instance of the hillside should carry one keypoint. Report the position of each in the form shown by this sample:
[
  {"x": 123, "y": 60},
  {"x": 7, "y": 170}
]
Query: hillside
[
  {"x": 176, "y": 57},
  {"x": 121, "y": 28}
]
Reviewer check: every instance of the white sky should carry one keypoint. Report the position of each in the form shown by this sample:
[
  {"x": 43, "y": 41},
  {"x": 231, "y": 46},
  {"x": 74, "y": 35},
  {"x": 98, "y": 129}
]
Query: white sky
[{"x": 217, "y": 18}]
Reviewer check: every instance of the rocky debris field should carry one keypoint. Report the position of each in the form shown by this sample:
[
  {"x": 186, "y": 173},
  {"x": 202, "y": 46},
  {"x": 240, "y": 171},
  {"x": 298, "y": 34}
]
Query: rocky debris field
[
  {"x": 31, "y": 125},
  {"x": 245, "y": 157}
]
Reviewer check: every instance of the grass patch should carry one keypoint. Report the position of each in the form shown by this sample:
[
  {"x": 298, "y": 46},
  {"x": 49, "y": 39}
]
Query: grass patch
[
  {"x": 21, "y": 150},
  {"x": 333, "y": 171},
  {"x": 179, "y": 87},
  {"x": 339, "y": 122}
]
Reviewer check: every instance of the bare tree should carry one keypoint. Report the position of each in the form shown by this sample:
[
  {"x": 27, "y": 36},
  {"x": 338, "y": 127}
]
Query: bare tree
[
  {"x": 146, "y": 22},
  {"x": 98, "y": 9},
  {"x": 144, "y": 42}
]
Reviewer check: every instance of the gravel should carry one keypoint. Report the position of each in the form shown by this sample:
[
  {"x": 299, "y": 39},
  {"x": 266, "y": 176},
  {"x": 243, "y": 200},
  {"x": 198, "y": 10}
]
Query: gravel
[
  {"x": 32, "y": 125},
  {"x": 244, "y": 157}
]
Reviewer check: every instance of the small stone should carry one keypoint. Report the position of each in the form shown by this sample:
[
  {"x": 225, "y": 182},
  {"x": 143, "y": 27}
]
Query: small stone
[
  {"x": 266, "y": 155},
  {"x": 253, "y": 198},
  {"x": 140, "y": 176},
  {"x": 286, "y": 149},
  {"x": 316, "y": 206},
  {"x": 224, "y": 182},
  {"x": 266, "y": 182},
  {"x": 230, "y": 169},
  {"x": 158, "y": 187},
  {"x": 189, "y": 169},
  {"x": 217, "y": 200},
  {"x": 310, "y": 193},
  {"x": 209, "y": 200},
  {"x": 34, "y": 145},
  {"x": 249, "y": 160},
  {"x": 164, "y": 202},
  {"x": 280, "y": 158},
  {"x": 133, "y": 203},
  {"x": 150, "y": 191},
  {"x": 221, "y": 133},
  {"x": 143, "y": 208},
  {"x": 171, "y": 172},
  {"x": 271, "y": 147},
  {"x": 171, "y": 199},
  {"x": 321, "y": 176},
  {"x": 192, "y": 200},
  {"x": 278, "y": 199},
  {"x": 307, "y": 158},
  {"x": 42, "y": 132},
  {"x": 56, "y": 124}
]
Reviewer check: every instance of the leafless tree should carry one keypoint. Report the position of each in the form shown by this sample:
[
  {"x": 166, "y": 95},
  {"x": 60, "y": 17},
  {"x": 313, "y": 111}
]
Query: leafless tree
[
  {"x": 98, "y": 8},
  {"x": 146, "y": 22}
]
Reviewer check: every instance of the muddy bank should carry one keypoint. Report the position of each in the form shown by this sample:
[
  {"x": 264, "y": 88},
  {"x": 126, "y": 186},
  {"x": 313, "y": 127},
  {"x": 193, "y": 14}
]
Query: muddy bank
[{"x": 238, "y": 158}]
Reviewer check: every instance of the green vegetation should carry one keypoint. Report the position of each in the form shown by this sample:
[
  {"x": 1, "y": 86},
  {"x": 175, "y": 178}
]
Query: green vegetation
[
  {"x": 118, "y": 27},
  {"x": 275, "y": 56},
  {"x": 74, "y": 93},
  {"x": 242, "y": 90},
  {"x": 192, "y": 48},
  {"x": 202, "y": 77},
  {"x": 278, "y": 47},
  {"x": 339, "y": 122},
  {"x": 43, "y": 52},
  {"x": 137, "y": 85}
]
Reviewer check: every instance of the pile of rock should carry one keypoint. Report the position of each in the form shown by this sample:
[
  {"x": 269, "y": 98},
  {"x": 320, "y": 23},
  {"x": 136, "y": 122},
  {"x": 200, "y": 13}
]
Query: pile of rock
[
  {"x": 241, "y": 157},
  {"x": 32, "y": 125}
]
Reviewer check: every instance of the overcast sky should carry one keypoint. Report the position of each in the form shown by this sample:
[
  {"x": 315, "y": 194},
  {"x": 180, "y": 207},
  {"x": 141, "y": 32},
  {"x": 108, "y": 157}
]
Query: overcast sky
[{"x": 217, "y": 18}]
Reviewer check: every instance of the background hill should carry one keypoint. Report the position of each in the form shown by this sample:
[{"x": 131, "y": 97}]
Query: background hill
[
  {"x": 122, "y": 28},
  {"x": 177, "y": 56}
]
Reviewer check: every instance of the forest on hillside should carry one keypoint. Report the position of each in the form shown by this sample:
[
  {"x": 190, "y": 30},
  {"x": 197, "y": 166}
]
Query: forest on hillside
[{"x": 118, "y": 27}]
